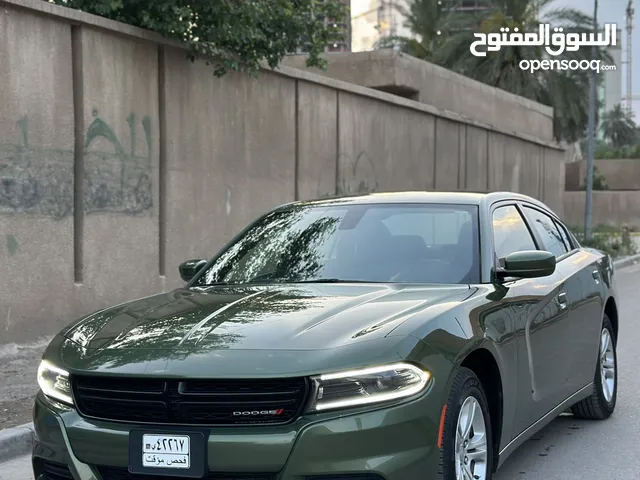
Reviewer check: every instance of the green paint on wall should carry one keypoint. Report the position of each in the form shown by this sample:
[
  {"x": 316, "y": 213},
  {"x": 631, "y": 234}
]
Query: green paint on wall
[
  {"x": 23, "y": 125},
  {"x": 12, "y": 245}
]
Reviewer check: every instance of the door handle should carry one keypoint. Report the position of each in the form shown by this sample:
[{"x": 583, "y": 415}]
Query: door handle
[
  {"x": 596, "y": 275},
  {"x": 562, "y": 300}
]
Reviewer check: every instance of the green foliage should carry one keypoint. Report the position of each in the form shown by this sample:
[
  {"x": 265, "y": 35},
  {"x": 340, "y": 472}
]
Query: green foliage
[
  {"x": 430, "y": 22},
  {"x": 567, "y": 91},
  {"x": 606, "y": 151},
  {"x": 599, "y": 182},
  {"x": 611, "y": 240},
  {"x": 619, "y": 127},
  {"x": 233, "y": 34}
]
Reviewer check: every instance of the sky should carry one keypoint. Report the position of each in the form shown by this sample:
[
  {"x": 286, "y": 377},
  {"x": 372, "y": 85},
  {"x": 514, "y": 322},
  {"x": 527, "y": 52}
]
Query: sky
[{"x": 613, "y": 11}]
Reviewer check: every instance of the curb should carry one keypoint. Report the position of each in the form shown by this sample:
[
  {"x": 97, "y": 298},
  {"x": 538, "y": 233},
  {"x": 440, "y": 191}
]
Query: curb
[
  {"x": 627, "y": 262},
  {"x": 18, "y": 441},
  {"x": 15, "y": 442}
]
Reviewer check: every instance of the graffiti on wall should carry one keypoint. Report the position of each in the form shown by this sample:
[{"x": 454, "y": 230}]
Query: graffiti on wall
[
  {"x": 357, "y": 175},
  {"x": 39, "y": 180}
]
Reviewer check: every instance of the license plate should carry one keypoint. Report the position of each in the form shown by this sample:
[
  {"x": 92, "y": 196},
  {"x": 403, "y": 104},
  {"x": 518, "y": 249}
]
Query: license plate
[{"x": 166, "y": 451}]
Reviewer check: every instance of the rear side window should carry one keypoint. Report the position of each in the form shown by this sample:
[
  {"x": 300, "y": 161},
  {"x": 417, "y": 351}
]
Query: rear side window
[
  {"x": 510, "y": 232},
  {"x": 547, "y": 229},
  {"x": 565, "y": 235}
]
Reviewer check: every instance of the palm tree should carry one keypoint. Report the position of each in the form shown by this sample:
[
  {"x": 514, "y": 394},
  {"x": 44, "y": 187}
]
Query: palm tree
[
  {"x": 618, "y": 127},
  {"x": 567, "y": 91},
  {"x": 429, "y": 23}
]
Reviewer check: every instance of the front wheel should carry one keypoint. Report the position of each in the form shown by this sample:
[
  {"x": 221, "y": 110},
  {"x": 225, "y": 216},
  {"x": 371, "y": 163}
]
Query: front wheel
[
  {"x": 466, "y": 452},
  {"x": 602, "y": 402}
]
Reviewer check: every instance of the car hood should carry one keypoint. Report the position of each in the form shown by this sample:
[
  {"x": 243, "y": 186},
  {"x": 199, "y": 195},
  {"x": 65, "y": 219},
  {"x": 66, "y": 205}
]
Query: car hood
[{"x": 251, "y": 325}]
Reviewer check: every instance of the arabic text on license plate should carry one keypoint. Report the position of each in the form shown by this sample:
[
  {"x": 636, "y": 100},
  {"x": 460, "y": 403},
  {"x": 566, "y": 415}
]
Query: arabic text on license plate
[{"x": 165, "y": 451}]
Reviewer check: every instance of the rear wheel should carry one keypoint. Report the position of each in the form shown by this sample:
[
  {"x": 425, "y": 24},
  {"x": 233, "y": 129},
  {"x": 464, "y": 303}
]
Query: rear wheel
[
  {"x": 602, "y": 402},
  {"x": 466, "y": 452}
]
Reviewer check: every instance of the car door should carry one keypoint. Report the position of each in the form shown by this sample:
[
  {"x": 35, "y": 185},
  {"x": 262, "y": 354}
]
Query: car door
[
  {"x": 569, "y": 265},
  {"x": 541, "y": 320},
  {"x": 584, "y": 290}
]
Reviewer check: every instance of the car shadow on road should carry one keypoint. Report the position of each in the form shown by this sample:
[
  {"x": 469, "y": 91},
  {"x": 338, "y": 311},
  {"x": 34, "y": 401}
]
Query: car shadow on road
[{"x": 557, "y": 440}]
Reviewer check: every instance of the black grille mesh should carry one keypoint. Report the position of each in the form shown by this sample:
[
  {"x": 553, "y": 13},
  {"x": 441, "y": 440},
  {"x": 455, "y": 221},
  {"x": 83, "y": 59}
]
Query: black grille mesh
[
  {"x": 46, "y": 470},
  {"x": 190, "y": 402}
]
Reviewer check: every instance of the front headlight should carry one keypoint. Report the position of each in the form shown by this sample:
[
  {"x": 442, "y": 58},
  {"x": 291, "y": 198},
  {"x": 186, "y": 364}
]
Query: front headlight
[
  {"x": 54, "y": 382},
  {"x": 366, "y": 386}
]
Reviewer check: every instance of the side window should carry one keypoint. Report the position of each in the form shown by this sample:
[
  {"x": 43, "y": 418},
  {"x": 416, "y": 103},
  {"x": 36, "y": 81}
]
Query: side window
[
  {"x": 550, "y": 235},
  {"x": 510, "y": 233},
  {"x": 564, "y": 235}
]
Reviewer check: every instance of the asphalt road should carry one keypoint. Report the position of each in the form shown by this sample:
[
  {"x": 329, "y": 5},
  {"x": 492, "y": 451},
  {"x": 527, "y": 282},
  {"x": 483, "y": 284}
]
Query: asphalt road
[{"x": 568, "y": 449}]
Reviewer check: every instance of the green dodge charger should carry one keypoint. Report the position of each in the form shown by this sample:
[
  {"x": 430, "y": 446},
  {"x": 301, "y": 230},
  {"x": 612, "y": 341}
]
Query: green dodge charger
[{"x": 391, "y": 336}]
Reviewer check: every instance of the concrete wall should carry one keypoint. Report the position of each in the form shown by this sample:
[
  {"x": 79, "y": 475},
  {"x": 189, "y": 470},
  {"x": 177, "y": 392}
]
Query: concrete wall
[
  {"x": 618, "y": 174},
  {"x": 392, "y": 71},
  {"x": 119, "y": 158},
  {"x": 609, "y": 208}
]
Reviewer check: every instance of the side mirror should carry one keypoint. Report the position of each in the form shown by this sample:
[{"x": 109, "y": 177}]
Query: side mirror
[
  {"x": 190, "y": 268},
  {"x": 528, "y": 264}
]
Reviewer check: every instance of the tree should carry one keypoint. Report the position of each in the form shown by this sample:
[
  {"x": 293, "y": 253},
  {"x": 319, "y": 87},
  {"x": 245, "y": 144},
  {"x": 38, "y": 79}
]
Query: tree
[
  {"x": 428, "y": 21},
  {"x": 619, "y": 127},
  {"x": 565, "y": 90},
  {"x": 233, "y": 34}
]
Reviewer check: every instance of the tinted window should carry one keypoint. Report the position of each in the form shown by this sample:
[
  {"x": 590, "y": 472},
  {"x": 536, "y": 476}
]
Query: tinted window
[
  {"x": 564, "y": 235},
  {"x": 434, "y": 227},
  {"x": 510, "y": 233},
  {"x": 424, "y": 243},
  {"x": 548, "y": 231}
]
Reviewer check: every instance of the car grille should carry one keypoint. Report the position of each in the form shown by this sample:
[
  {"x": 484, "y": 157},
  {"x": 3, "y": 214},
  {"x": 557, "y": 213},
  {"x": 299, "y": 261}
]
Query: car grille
[
  {"x": 112, "y": 473},
  {"x": 45, "y": 470},
  {"x": 190, "y": 402}
]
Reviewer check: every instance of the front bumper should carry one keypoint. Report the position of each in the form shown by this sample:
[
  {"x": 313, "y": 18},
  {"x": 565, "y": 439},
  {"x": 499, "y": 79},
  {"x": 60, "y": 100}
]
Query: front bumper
[{"x": 393, "y": 443}]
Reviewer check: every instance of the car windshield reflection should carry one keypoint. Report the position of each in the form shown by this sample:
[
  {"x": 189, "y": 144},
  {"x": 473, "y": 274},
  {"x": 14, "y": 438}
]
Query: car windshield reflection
[{"x": 371, "y": 243}]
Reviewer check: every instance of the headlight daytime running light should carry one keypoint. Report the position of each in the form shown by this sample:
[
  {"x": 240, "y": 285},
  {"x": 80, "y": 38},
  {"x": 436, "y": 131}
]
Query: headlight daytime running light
[
  {"x": 367, "y": 386},
  {"x": 54, "y": 382}
]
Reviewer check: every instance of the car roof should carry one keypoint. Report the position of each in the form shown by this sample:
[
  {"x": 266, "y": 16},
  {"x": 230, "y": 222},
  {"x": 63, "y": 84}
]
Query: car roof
[{"x": 456, "y": 198}]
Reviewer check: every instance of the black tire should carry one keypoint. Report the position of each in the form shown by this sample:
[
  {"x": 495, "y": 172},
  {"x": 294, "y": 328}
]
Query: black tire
[
  {"x": 465, "y": 384},
  {"x": 596, "y": 406}
]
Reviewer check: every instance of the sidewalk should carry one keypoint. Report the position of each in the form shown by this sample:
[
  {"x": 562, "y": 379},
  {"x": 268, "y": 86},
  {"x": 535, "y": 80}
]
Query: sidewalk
[{"x": 18, "y": 386}]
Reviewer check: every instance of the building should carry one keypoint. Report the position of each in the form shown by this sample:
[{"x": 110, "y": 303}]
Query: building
[
  {"x": 471, "y": 7},
  {"x": 464, "y": 5},
  {"x": 345, "y": 29},
  {"x": 371, "y": 20},
  {"x": 610, "y": 93}
]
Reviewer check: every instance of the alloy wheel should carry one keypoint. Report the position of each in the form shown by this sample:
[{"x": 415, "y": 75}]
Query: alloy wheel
[
  {"x": 471, "y": 442},
  {"x": 607, "y": 365}
]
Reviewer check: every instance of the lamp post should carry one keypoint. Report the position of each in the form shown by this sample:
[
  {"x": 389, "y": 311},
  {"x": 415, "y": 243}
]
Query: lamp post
[{"x": 591, "y": 135}]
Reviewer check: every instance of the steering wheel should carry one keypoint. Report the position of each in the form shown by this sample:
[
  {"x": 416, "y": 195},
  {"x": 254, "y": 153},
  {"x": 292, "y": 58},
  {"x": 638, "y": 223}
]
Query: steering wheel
[{"x": 409, "y": 274}]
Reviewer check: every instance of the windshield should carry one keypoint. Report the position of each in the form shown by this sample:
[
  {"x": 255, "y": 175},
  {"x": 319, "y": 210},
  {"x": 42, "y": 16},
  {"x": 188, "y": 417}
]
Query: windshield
[{"x": 390, "y": 243}]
